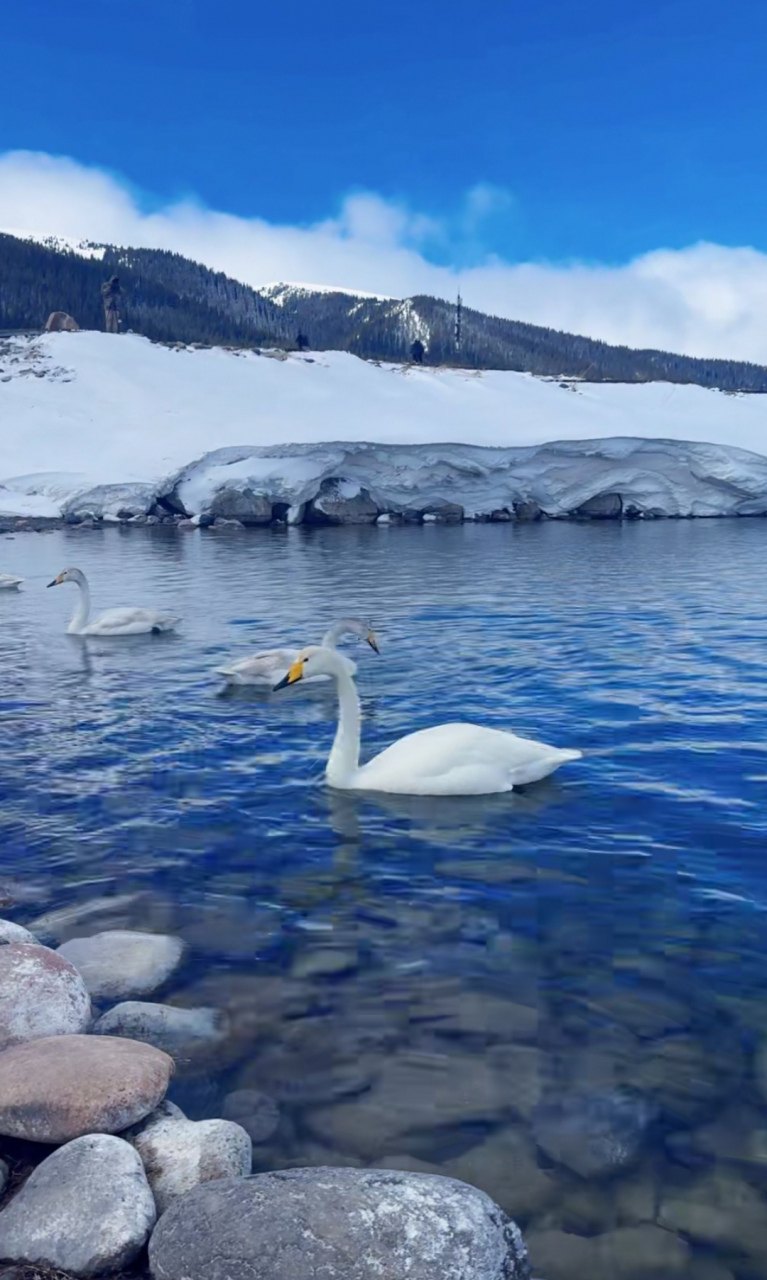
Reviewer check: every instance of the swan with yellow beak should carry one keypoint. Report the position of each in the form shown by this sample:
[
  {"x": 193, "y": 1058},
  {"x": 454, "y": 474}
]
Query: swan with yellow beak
[{"x": 448, "y": 760}]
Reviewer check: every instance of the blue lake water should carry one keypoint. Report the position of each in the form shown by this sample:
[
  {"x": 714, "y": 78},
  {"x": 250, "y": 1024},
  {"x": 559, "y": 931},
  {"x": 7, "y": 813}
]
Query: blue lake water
[{"x": 409, "y": 978}]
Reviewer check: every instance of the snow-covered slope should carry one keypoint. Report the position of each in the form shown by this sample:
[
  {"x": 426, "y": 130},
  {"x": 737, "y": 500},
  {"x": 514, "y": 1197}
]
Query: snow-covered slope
[
  {"x": 95, "y": 422},
  {"x": 281, "y": 291}
]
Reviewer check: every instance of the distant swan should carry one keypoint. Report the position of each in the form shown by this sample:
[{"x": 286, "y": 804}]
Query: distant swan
[
  {"x": 269, "y": 665},
  {"x": 7, "y": 582},
  {"x": 448, "y": 760},
  {"x": 115, "y": 622}
]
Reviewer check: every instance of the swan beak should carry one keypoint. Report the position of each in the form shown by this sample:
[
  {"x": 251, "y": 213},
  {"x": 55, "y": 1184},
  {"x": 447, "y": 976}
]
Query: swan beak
[
  {"x": 57, "y": 581},
  {"x": 373, "y": 642},
  {"x": 295, "y": 673}
]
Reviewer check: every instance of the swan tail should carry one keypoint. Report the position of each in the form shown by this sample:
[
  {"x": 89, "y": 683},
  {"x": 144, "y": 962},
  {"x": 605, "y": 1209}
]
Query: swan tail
[
  {"x": 536, "y": 770},
  {"x": 229, "y": 674}
]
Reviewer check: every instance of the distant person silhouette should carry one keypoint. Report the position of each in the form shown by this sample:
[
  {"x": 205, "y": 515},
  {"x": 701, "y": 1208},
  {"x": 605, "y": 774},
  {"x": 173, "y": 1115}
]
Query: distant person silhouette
[{"x": 111, "y": 293}]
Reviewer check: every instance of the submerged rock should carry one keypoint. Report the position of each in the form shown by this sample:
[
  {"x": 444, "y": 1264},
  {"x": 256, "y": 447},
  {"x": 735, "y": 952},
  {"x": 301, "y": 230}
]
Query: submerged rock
[
  {"x": 414, "y": 1092},
  {"x": 41, "y": 994},
  {"x": 720, "y": 1210},
  {"x": 687, "y": 1077},
  {"x": 258, "y": 1114},
  {"x": 504, "y": 1166},
  {"x": 625, "y": 1254},
  {"x": 59, "y": 1088},
  {"x": 593, "y": 1133},
  {"x": 179, "y": 1154},
  {"x": 86, "y": 1209},
  {"x": 341, "y": 1224},
  {"x": 58, "y": 926},
  {"x": 121, "y": 963},
  {"x": 183, "y": 1033}
]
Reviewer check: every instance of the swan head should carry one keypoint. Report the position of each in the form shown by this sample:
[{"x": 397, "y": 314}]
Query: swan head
[
  {"x": 316, "y": 660},
  {"x": 362, "y": 629},
  {"x": 352, "y": 627},
  {"x": 68, "y": 575}
]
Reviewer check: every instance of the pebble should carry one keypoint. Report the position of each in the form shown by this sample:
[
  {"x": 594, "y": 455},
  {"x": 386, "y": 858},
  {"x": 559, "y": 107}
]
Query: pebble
[
  {"x": 258, "y": 1114},
  {"x": 41, "y": 994},
  {"x": 61, "y": 1087},
  {"x": 86, "y": 1209},
  {"x": 122, "y": 963},
  {"x": 341, "y": 1224},
  {"x": 179, "y": 1154},
  {"x": 183, "y": 1033}
]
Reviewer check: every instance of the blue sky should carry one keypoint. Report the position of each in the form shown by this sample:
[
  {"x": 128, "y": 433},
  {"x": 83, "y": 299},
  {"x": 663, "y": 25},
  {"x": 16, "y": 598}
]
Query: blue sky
[{"x": 587, "y": 129}]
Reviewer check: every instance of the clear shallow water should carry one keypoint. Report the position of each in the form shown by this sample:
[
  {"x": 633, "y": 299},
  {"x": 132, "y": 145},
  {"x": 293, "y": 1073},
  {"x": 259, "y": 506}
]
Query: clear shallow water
[{"x": 409, "y": 976}]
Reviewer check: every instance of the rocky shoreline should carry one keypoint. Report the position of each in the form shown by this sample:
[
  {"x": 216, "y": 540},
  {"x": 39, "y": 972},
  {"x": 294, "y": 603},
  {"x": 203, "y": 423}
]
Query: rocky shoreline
[
  {"x": 335, "y": 1117},
  {"x": 103, "y": 1174}
]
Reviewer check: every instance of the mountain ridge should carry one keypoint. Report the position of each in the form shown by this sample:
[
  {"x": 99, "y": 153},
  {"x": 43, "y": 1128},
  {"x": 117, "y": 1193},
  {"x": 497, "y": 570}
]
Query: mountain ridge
[{"x": 169, "y": 298}]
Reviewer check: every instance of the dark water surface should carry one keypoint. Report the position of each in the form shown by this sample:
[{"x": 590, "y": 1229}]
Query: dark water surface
[{"x": 494, "y": 986}]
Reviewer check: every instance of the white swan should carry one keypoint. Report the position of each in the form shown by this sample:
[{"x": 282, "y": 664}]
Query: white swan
[
  {"x": 269, "y": 665},
  {"x": 7, "y": 582},
  {"x": 115, "y": 622},
  {"x": 448, "y": 760}
]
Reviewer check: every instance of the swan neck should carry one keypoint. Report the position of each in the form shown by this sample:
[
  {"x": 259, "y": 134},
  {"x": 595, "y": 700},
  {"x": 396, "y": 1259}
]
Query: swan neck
[
  {"x": 331, "y": 638},
  {"x": 83, "y": 610},
  {"x": 344, "y": 757}
]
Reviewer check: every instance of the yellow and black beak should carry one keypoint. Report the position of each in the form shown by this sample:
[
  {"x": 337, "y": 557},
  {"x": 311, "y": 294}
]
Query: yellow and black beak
[
  {"x": 57, "y": 581},
  {"x": 295, "y": 673},
  {"x": 373, "y": 642}
]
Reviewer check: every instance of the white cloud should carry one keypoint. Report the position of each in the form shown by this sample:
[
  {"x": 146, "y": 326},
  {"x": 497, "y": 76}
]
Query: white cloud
[{"x": 705, "y": 300}]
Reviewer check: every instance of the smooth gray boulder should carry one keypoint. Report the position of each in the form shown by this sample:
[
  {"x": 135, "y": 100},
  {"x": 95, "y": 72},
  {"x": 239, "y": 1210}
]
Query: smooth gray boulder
[
  {"x": 86, "y": 1209},
  {"x": 62, "y": 1087},
  {"x": 244, "y": 505},
  {"x": 341, "y": 502},
  {"x": 183, "y": 1033},
  {"x": 179, "y": 1154},
  {"x": 41, "y": 994},
  {"x": 122, "y": 963},
  {"x": 10, "y": 932},
  {"x": 338, "y": 1224}
]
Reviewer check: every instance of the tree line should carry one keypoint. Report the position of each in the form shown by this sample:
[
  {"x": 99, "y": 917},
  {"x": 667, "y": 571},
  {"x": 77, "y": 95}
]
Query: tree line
[{"x": 169, "y": 298}]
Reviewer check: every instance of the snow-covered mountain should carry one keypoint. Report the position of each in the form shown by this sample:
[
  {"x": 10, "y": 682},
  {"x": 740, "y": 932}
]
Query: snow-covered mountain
[{"x": 100, "y": 424}]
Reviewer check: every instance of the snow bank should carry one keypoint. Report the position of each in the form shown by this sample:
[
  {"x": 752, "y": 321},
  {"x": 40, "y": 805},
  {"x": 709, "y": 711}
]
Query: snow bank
[{"x": 102, "y": 423}]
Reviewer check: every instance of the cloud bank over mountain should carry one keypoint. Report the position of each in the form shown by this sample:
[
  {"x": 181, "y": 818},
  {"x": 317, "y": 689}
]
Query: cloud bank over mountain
[{"x": 705, "y": 300}]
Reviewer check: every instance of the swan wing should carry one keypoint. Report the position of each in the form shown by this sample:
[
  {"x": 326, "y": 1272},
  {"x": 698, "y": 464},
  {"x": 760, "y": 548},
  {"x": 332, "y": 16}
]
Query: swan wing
[
  {"x": 7, "y": 581},
  {"x": 130, "y": 622},
  {"x": 265, "y": 667},
  {"x": 459, "y": 759}
]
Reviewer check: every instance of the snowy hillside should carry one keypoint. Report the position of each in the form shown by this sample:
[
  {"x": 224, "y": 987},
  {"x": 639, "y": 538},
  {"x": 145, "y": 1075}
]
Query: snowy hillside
[{"x": 98, "y": 424}]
